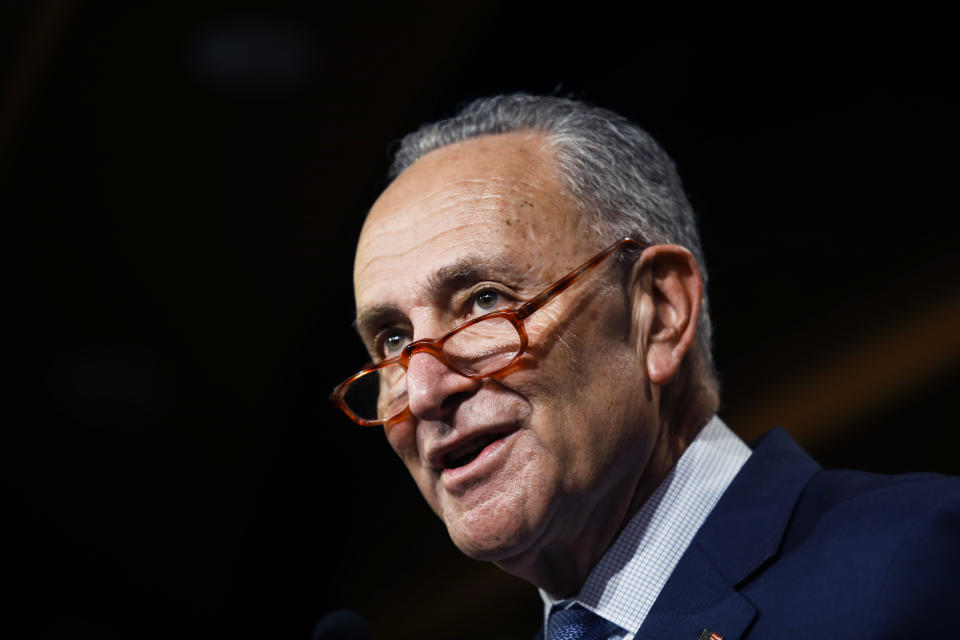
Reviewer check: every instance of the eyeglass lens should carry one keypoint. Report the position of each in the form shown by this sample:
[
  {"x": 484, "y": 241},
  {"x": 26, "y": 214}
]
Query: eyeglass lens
[{"x": 477, "y": 350}]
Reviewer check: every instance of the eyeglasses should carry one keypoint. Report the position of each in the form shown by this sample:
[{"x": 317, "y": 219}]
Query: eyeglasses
[{"x": 479, "y": 348}]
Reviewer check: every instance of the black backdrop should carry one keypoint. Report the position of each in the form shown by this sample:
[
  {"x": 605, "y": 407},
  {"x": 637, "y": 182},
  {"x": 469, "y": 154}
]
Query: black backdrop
[{"x": 182, "y": 186}]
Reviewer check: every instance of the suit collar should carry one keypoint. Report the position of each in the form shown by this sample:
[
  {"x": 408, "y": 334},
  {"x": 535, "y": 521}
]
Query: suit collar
[
  {"x": 747, "y": 525},
  {"x": 741, "y": 534}
]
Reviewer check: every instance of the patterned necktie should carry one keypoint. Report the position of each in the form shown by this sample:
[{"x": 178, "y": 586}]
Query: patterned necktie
[{"x": 577, "y": 623}]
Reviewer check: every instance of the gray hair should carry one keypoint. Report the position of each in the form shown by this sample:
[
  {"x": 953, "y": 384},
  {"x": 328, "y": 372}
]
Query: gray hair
[{"x": 616, "y": 172}]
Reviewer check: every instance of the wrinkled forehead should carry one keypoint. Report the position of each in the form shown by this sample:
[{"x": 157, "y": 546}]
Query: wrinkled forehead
[
  {"x": 496, "y": 195},
  {"x": 493, "y": 204}
]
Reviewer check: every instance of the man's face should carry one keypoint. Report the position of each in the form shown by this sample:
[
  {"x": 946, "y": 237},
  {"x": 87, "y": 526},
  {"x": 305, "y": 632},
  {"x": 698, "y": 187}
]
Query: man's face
[{"x": 519, "y": 463}]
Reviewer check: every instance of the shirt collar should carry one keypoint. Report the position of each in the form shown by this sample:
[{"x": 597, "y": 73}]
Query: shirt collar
[{"x": 624, "y": 584}]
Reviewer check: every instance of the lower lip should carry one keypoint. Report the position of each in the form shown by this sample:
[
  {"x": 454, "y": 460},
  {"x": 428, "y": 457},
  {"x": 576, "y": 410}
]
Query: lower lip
[{"x": 489, "y": 460}]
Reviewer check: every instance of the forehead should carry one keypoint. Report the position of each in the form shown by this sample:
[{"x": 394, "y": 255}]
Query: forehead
[{"x": 492, "y": 197}]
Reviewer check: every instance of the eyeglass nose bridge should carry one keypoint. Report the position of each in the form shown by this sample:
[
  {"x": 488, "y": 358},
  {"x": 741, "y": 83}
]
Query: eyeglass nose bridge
[{"x": 424, "y": 345}]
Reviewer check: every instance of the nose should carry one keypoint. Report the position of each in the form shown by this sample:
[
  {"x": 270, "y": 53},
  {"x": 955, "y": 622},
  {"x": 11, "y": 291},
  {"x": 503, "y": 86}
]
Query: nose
[{"x": 433, "y": 389}]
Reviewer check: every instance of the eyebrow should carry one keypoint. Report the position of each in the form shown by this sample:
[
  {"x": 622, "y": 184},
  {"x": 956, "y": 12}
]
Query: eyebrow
[
  {"x": 466, "y": 271},
  {"x": 441, "y": 284}
]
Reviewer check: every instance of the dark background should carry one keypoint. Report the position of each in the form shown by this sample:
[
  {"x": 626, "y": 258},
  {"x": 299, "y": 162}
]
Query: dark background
[{"x": 182, "y": 186}]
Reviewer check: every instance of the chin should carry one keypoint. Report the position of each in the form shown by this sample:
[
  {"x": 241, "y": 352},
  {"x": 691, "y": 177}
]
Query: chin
[
  {"x": 489, "y": 548},
  {"x": 494, "y": 532}
]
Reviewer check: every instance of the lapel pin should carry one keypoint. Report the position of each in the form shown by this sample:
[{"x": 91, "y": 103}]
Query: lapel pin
[{"x": 706, "y": 634}]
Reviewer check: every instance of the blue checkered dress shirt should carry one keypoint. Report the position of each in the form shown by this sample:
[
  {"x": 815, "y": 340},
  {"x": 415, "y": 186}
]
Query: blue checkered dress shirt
[{"x": 625, "y": 583}]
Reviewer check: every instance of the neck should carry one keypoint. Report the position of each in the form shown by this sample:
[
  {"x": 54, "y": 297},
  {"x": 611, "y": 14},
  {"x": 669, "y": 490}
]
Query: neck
[{"x": 560, "y": 567}]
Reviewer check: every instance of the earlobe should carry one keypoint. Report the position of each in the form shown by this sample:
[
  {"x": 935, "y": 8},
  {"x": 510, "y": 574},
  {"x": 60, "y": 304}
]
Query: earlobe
[{"x": 666, "y": 289}]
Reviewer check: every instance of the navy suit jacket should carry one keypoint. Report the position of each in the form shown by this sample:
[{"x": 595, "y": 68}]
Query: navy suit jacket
[{"x": 794, "y": 551}]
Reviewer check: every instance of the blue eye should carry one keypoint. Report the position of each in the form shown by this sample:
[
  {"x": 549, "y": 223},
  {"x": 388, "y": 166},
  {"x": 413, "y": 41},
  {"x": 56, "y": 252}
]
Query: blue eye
[
  {"x": 392, "y": 343},
  {"x": 487, "y": 300}
]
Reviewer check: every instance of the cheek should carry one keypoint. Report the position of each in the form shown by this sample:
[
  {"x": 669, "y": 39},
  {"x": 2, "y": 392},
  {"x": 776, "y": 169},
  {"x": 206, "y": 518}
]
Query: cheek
[
  {"x": 497, "y": 519},
  {"x": 592, "y": 405},
  {"x": 402, "y": 438},
  {"x": 585, "y": 365}
]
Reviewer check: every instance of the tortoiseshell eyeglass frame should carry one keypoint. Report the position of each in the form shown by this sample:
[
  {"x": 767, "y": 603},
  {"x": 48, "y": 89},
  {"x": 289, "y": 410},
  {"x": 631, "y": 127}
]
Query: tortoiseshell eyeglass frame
[{"x": 435, "y": 347}]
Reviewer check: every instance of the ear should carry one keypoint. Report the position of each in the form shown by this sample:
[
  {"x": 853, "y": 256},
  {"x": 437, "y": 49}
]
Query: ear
[{"x": 666, "y": 289}]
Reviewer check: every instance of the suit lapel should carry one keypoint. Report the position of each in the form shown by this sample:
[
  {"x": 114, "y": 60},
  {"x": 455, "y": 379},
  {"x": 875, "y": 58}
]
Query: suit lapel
[
  {"x": 697, "y": 597},
  {"x": 741, "y": 534}
]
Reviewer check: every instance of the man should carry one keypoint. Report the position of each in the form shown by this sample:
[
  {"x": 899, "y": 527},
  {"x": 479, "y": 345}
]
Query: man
[{"x": 563, "y": 423}]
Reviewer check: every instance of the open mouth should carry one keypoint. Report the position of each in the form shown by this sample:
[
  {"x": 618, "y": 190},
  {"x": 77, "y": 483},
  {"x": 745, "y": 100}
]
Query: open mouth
[{"x": 468, "y": 451}]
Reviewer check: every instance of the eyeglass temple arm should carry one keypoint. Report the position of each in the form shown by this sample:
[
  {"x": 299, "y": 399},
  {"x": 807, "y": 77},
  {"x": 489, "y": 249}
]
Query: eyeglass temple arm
[{"x": 533, "y": 304}]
